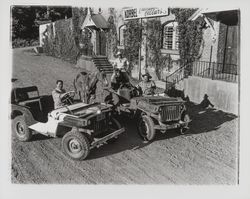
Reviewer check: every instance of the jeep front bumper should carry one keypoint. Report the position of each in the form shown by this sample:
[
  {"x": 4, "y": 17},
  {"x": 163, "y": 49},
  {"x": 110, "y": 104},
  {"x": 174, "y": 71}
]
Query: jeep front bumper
[
  {"x": 104, "y": 139},
  {"x": 179, "y": 124}
]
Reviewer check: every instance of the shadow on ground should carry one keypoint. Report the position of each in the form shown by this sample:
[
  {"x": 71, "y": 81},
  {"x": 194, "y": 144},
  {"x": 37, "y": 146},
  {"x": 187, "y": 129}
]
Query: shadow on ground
[
  {"x": 129, "y": 140},
  {"x": 203, "y": 121},
  {"x": 208, "y": 119}
]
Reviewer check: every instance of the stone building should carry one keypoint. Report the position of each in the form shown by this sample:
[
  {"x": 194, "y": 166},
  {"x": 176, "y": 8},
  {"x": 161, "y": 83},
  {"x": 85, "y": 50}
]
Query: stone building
[
  {"x": 169, "y": 40},
  {"x": 220, "y": 39},
  {"x": 96, "y": 22},
  {"x": 216, "y": 73}
]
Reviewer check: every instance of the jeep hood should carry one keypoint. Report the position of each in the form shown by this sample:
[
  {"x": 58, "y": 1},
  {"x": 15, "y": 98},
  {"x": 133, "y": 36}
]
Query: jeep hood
[
  {"x": 82, "y": 110},
  {"x": 157, "y": 100}
]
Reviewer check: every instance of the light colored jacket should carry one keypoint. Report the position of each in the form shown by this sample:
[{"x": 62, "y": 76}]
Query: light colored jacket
[
  {"x": 57, "y": 95},
  {"x": 148, "y": 88}
]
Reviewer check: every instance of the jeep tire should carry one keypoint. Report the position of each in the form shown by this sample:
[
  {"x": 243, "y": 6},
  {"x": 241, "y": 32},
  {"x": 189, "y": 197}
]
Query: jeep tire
[
  {"x": 21, "y": 129},
  {"x": 76, "y": 145},
  {"x": 185, "y": 118},
  {"x": 146, "y": 128}
]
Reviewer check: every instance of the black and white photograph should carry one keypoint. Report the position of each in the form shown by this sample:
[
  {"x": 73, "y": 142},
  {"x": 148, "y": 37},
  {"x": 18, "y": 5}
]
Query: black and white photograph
[{"x": 125, "y": 95}]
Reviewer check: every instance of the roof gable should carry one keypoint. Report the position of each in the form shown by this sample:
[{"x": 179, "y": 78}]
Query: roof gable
[{"x": 96, "y": 21}]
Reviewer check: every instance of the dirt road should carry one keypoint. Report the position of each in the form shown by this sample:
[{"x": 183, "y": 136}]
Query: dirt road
[{"x": 207, "y": 155}]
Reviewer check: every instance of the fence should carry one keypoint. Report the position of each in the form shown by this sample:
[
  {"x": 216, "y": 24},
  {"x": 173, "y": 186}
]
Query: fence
[
  {"x": 217, "y": 71},
  {"x": 175, "y": 77}
]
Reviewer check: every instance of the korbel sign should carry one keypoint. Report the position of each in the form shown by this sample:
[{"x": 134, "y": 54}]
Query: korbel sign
[{"x": 137, "y": 13}]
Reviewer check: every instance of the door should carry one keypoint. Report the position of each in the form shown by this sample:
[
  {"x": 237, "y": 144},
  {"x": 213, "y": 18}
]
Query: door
[
  {"x": 231, "y": 50},
  {"x": 100, "y": 43}
]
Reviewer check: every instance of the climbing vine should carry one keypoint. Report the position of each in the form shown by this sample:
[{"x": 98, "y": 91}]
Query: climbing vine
[
  {"x": 154, "y": 38},
  {"x": 132, "y": 38},
  {"x": 111, "y": 35},
  {"x": 190, "y": 35}
]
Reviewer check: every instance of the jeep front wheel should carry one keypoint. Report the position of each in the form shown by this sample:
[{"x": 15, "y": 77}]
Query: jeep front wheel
[
  {"x": 185, "y": 118},
  {"x": 76, "y": 145},
  {"x": 146, "y": 128},
  {"x": 21, "y": 129}
]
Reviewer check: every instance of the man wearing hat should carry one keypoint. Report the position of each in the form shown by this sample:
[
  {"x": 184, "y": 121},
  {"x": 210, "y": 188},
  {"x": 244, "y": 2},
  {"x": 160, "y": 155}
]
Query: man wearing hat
[
  {"x": 120, "y": 62},
  {"x": 119, "y": 76},
  {"x": 147, "y": 85}
]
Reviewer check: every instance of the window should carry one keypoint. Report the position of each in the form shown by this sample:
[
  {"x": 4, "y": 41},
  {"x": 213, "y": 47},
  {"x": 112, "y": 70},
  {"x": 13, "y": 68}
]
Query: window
[
  {"x": 170, "y": 36},
  {"x": 121, "y": 35}
]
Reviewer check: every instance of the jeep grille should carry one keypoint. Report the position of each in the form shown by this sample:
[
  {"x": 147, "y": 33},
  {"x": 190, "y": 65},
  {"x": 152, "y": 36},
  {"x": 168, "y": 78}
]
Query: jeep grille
[
  {"x": 170, "y": 113},
  {"x": 100, "y": 125}
]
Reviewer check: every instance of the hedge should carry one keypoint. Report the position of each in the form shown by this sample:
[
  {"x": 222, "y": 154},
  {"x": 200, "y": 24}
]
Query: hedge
[{"x": 60, "y": 41}]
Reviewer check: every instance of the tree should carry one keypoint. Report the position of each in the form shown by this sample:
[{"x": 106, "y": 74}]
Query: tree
[
  {"x": 23, "y": 26},
  {"x": 24, "y": 18}
]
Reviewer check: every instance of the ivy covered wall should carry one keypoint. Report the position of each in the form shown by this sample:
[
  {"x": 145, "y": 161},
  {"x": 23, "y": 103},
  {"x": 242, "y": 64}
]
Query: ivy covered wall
[
  {"x": 60, "y": 41},
  {"x": 62, "y": 38},
  {"x": 190, "y": 34},
  {"x": 111, "y": 34}
]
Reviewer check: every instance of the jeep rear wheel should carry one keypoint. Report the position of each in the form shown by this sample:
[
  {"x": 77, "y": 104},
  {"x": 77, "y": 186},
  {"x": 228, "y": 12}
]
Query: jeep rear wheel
[
  {"x": 21, "y": 129},
  {"x": 76, "y": 145},
  {"x": 146, "y": 128}
]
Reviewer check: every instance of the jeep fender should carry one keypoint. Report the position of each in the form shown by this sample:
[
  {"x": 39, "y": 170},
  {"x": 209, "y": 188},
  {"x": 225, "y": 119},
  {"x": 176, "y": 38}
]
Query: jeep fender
[{"x": 22, "y": 110}]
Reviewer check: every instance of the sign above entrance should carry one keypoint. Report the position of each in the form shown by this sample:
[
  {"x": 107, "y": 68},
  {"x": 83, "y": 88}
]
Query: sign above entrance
[{"x": 137, "y": 13}]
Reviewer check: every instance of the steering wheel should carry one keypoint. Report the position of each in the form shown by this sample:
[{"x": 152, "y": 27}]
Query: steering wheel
[
  {"x": 68, "y": 97},
  {"x": 150, "y": 90}
]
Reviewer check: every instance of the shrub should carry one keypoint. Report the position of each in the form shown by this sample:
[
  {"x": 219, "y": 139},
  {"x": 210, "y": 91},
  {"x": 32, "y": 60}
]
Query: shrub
[
  {"x": 20, "y": 43},
  {"x": 60, "y": 41}
]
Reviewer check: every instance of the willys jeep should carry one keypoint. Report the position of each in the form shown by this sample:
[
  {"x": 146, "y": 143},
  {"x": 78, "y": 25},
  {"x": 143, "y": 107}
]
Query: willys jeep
[
  {"x": 152, "y": 112},
  {"x": 82, "y": 126}
]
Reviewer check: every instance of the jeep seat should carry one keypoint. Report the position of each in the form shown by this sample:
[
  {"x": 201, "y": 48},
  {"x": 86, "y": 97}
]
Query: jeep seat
[
  {"x": 21, "y": 94},
  {"x": 21, "y": 97}
]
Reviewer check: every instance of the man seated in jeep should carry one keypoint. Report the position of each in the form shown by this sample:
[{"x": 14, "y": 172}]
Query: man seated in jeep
[
  {"x": 59, "y": 95},
  {"x": 119, "y": 78},
  {"x": 147, "y": 86}
]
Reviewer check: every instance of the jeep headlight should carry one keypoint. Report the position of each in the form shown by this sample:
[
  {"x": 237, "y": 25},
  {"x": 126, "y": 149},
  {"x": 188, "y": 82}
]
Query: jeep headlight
[
  {"x": 98, "y": 111},
  {"x": 159, "y": 117},
  {"x": 89, "y": 122}
]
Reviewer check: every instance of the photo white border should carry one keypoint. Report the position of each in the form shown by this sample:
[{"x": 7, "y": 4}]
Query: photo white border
[{"x": 8, "y": 190}]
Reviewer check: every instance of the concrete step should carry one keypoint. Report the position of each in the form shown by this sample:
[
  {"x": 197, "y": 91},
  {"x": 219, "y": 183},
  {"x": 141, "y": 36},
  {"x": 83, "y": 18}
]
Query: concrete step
[
  {"x": 103, "y": 63},
  {"x": 99, "y": 59}
]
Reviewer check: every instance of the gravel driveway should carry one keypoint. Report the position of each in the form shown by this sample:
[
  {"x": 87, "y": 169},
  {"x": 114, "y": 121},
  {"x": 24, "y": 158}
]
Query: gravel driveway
[{"x": 206, "y": 155}]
